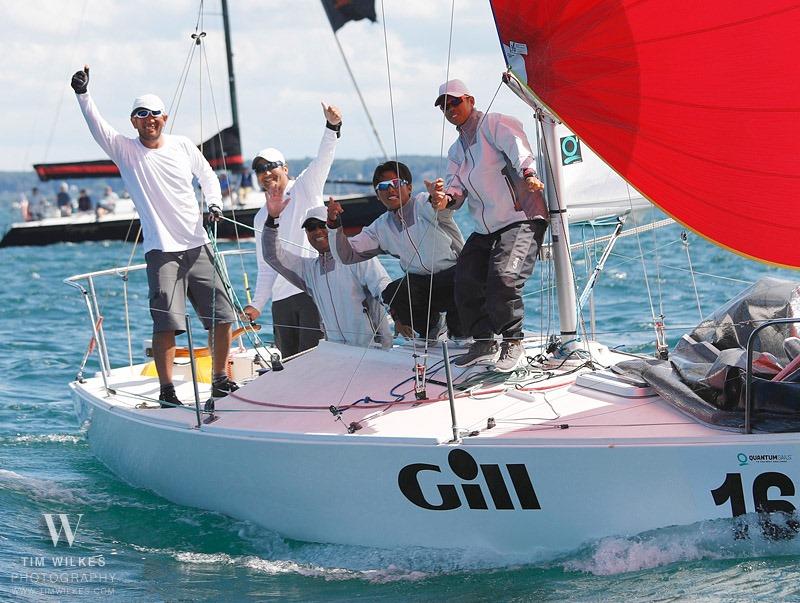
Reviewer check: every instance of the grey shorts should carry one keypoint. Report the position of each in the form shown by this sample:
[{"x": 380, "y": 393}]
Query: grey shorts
[{"x": 172, "y": 276}]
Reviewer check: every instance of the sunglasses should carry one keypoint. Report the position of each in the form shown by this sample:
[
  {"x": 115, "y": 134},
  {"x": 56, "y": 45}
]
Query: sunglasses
[
  {"x": 451, "y": 101},
  {"x": 143, "y": 113},
  {"x": 315, "y": 226},
  {"x": 394, "y": 183},
  {"x": 267, "y": 167}
]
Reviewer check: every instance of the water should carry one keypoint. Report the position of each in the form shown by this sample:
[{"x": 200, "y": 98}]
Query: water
[{"x": 151, "y": 549}]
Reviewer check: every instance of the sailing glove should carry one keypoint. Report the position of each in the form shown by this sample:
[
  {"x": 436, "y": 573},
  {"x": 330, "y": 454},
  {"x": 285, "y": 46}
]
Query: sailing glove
[
  {"x": 214, "y": 212},
  {"x": 80, "y": 81}
]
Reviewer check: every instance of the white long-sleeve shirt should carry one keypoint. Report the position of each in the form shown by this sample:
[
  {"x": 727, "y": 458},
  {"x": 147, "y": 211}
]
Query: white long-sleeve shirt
[
  {"x": 347, "y": 297},
  {"x": 305, "y": 192},
  {"x": 159, "y": 182},
  {"x": 423, "y": 241},
  {"x": 485, "y": 167}
]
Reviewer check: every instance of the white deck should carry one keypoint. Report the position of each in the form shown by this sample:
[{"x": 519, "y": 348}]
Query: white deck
[{"x": 296, "y": 401}]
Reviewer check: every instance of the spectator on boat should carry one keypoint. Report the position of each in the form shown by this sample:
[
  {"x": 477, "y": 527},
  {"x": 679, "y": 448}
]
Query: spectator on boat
[
  {"x": 84, "y": 201},
  {"x": 64, "y": 200},
  {"x": 245, "y": 185},
  {"x": 348, "y": 297},
  {"x": 158, "y": 169},
  {"x": 38, "y": 205},
  {"x": 108, "y": 203},
  {"x": 424, "y": 241},
  {"x": 295, "y": 318},
  {"x": 24, "y": 208},
  {"x": 491, "y": 168}
]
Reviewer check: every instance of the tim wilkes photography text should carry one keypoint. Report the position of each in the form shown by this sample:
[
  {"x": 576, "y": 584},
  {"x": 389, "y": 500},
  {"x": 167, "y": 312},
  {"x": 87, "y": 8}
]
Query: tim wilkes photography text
[{"x": 62, "y": 572}]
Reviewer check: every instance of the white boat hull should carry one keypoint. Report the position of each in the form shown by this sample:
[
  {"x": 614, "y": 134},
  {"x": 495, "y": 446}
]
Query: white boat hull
[{"x": 345, "y": 488}]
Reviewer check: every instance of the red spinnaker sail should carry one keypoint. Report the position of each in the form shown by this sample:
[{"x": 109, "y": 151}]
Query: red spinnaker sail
[{"x": 695, "y": 103}]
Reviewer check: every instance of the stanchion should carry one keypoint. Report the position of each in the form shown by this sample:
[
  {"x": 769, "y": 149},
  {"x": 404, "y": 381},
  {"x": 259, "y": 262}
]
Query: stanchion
[
  {"x": 194, "y": 371},
  {"x": 449, "y": 378}
]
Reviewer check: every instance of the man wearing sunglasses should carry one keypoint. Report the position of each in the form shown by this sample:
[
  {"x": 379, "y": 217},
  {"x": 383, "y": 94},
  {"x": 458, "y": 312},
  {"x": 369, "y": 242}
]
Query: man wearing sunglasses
[
  {"x": 295, "y": 317},
  {"x": 490, "y": 167},
  {"x": 158, "y": 169},
  {"x": 348, "y": 297},
  {"x": 424, "y": 242}
]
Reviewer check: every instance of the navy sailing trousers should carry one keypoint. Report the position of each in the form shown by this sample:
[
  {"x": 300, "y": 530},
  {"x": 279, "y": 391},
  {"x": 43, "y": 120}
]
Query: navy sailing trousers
[
  {"x": 442, "y": 299},
  {"x": 490, "y": 274}
]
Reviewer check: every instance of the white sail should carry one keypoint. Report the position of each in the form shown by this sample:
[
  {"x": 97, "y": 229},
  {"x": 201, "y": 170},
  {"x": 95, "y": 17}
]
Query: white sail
[{"x": 590, "y": 188}]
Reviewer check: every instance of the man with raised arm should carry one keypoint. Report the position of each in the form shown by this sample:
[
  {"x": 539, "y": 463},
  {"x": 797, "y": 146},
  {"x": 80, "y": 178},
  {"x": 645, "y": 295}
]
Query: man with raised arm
[
  {"x": 157, "y": 169},
  {"x": 490, "y": 167},
  {"x": 295, "y": 318},
  {"x": 348, "y": 297},
  {"x": 425, "y": 243}
]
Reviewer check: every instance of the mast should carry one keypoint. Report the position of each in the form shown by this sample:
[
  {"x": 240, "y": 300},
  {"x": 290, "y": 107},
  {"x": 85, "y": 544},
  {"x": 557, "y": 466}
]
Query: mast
[
  {"x": 229, "y": 57},
  {"x": 551, "y": 168},
  {"x": 559, "y": 229}
]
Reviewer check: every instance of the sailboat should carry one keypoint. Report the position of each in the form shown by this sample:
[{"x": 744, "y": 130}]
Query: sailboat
[
  {"x": 224, "y": 154},
  {"x": 391, "y": 448}
]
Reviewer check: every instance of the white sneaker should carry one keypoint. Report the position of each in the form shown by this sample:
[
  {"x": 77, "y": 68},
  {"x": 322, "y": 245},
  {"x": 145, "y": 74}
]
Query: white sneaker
[
  {"x": 512, "y": 356},
  {"x": 480, "y": 351}
]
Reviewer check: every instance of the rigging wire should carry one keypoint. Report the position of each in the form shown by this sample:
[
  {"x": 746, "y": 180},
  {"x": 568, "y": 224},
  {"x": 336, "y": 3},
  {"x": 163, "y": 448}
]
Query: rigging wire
[
  {"x": 441, "y": 167},
  {"x": 360, "y": 96},
  {"x": 685, "y": 241}
]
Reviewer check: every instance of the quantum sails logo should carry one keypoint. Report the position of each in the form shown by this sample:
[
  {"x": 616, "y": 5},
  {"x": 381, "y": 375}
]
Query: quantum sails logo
[{"x": 747, "y": 459}]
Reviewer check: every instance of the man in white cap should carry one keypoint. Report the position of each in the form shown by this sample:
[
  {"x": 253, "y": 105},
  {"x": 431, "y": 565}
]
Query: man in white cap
[
  {"x": 157, "y": 169},
  {"x": 491, "y": 168},
  {"x": 348, "y": 296},
  {"x": 295, "y": 317}
]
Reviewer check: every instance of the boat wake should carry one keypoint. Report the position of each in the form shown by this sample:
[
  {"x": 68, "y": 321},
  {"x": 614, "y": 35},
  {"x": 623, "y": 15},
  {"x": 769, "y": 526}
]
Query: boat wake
[
  {"x": 709, "y": 540},
  {"x": 746, "y": 537}
]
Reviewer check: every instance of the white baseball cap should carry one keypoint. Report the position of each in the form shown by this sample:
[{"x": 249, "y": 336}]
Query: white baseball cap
[
  {"x": 316, "y": 213},
  {"x": 271, "y": 155},
  {"x": 148, "y": 101},
  {"x": 455, "y": 88}
]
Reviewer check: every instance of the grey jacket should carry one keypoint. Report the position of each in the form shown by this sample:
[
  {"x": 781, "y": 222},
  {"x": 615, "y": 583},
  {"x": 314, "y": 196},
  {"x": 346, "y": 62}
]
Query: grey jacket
[
  {"x": 421, "y": 240},
  {"x": 347, "y": 297},
  {"x": 485, "y": 168}
]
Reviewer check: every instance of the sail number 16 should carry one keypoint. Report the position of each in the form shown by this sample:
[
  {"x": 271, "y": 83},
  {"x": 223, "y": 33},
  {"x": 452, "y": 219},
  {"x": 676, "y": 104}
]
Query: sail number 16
[{"x": 733, "y": 491}]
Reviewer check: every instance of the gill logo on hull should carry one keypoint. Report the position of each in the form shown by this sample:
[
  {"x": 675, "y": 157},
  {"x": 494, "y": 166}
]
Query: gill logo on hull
[{"x": 466, "y": 468}]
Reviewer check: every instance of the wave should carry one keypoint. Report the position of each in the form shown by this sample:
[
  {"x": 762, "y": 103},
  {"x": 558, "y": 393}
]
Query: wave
[
  {"x": 42, "y": 438},
  {"x": 51, "y": 491},
  {"x": 747, "y": 537},
  {"x": 744, "y": 539}
]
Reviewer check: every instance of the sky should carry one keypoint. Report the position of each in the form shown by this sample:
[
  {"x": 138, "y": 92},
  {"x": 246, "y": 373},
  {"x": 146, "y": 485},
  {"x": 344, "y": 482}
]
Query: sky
[{"x": 285, "y": 61}]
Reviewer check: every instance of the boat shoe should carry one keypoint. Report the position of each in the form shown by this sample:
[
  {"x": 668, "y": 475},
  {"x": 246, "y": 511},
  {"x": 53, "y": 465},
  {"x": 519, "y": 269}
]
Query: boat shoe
[
  {"x": 222, "y": 387},
  {"x": 480, "y": 351},
  {"x": 168, "y": 399},
  {"x": 512, "y": 356}
]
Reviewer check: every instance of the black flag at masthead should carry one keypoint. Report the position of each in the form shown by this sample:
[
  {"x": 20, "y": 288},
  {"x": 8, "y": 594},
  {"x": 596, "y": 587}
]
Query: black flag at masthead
[{"x": 341, "y": 11}]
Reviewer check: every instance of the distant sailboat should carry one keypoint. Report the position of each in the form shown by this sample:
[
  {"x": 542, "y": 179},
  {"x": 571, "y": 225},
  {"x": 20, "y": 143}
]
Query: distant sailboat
[{"x": 223, "y": 152}]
